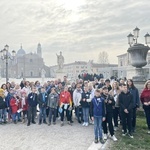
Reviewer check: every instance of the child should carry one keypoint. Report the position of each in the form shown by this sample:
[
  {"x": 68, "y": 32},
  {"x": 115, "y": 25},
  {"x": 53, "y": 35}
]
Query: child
[
  {"x": 24, "y": 105},
  {"x": 52, "y": 104},
  {"x": 98, "y": 115},
  {"x": 109, "y": 104},
  {"x": 14, "y": 107},
  {"x": 126, "y": 107}
]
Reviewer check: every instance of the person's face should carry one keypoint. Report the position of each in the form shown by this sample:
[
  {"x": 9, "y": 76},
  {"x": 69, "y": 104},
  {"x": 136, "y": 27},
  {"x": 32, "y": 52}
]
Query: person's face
[
  {"x": 66, "y": 89},
  {"x": 86, "y": 89},
  {"x": 105, "y": 91},
  {"x": 148, "y": 85},
  {"x": 115, "y": 85},
  {"x": 42, "y": 90},
  {"x": 78, "y": 87},
  {"x": 33, "y": 89},
  {"x": 129, "y": 83},
  {"x": 4, "y": 87},
  {"x": 107, "y": 83},
  {"x": 97, "y": 94},
  {"x": 125, "y": 89}
]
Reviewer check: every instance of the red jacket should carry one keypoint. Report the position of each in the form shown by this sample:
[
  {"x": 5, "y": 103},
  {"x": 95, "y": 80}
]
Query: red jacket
[
  {"x": 145, "y": 96},
  {"x": 65, "y": 97},
  {"x": 13, "y": 105}
]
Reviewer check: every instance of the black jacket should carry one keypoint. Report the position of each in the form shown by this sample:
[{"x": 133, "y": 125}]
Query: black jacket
[
  {"x": 125, "y": 101},
  {"x": 85, "y": 104},
  {"x": 2, "y": 103},
  {"x": 41, "y": 102},
  {"x": 109, "y": 106}
]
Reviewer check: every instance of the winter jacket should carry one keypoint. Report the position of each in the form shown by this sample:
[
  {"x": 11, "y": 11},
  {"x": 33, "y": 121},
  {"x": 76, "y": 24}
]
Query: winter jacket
[
  {"x": 135, "y": 94},
  {"x": 32, "y": 99},
  {"x": 2, "y": 103},
  {"x": 86, "y": 96},
  {"x": 97, "y": 108},
  {"x": 109, "y": 106},
  {"x": 65, "y": 98},
  {"x": 13, "y": 105},
  {"x": 53, "y": 100},
  {"x": 42, "y": 102},
  {"x": 145, "y": 97},
  {"x": 77, "y": 97},
  {"x": 126, "y": 101}
]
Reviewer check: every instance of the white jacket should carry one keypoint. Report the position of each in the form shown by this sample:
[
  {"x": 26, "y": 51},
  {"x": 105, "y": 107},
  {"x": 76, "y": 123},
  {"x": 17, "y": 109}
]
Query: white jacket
[{"x": 77, "y": 95}]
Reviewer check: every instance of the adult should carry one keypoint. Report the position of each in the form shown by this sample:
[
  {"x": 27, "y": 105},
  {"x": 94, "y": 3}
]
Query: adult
[
  {"x": 136, "y": 101},
  {"x": 65, "y": 105},
  {"x": 42, "y": 101},
  {"x": 145, "y": 99},
  {"x": 32, "y": 101}
]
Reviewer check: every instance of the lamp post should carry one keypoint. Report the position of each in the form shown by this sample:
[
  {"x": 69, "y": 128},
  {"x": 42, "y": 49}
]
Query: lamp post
[
  {"x": 6, "y": 56},
  {"x": 138, "y": 53}
]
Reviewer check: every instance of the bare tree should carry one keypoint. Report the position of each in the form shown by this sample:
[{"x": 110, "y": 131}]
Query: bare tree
[{"x": 103, "y": 58}]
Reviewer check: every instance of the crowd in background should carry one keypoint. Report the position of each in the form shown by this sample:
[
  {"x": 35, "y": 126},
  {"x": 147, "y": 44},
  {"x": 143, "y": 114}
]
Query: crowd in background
[{"x": 105, "y": 103}]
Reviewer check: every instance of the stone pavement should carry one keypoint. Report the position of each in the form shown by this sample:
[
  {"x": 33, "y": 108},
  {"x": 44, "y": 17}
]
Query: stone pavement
[{"x": 43, "y": 137}]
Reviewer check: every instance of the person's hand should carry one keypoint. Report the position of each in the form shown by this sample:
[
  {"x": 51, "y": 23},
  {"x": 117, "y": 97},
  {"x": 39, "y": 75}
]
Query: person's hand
[
  {"x": 145, "y": 103},
  {"x": 103, "y": 118},
  {"x": 109, "y": 101},
  {"x": 105, "y": 101},
  {"x": 149, "y": 103},
  {"x": 83, "y": 99},
  {"x": 92, "y": 118},
  {"x": 126, "y": 111}
]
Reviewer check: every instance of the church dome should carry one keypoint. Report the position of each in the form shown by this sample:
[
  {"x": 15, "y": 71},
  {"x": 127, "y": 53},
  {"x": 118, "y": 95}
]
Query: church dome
[{"x": 21, "y": 52}]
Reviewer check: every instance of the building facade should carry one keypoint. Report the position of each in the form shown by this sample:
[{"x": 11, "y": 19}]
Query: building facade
[{"x": 26, "y": 65}]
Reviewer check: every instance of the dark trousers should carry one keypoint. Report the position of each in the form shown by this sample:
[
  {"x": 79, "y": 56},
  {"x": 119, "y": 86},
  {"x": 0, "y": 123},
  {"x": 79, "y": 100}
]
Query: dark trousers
[
  {"x": 147, "y": 114},
  {"x": 52, "y": 112},
  {"x": 133, "y": 118},
  {"x": 47, "y": 112},
  {"x": 79, "y": 113},
  {"x": 126, "y": 121},
  {"x": 68, "y": 114},
  {"x": 108, "y": 120},
  {"x": 31, "y": 113},
  {"x": 115, "y": 116}
]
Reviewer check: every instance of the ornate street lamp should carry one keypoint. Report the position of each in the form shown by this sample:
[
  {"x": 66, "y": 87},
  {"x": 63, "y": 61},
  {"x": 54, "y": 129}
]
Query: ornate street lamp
[
  {"x": 6, "y": 56},
  {"x": 138, "y": 53}
]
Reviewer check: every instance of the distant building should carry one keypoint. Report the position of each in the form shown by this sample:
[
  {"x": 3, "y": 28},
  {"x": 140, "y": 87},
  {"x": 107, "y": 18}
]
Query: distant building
[
  {"x": 24, "y": 65},
  {"x": 72, "y": 70}
]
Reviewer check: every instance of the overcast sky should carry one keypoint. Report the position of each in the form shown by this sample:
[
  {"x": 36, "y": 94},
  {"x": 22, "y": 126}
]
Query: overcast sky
[{"x": 81, "y": 29}]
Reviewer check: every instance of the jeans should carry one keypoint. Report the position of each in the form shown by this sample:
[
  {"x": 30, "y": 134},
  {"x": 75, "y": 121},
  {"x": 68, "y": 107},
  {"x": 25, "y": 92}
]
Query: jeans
[
  {"x": 42, "y": 114},
  {"x": 98, "y": 127},
  {"x": 147, "y": 114},
  {"x": 2, "y": 115},
  {"x": 85, "y": 114},
  {"x": 31, "y": 113},
  {"x": 126, "y": 121},
  {"x": 108, "y": 120},
  {"x": 14, "y": 116},
  {"x": 52, "y": 112}
]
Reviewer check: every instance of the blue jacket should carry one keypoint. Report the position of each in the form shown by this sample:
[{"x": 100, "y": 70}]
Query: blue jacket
[
  {"x": 135, "y": 94},
  {"x": 97, "y": 107},
  {"x": 32, "y": 99}
]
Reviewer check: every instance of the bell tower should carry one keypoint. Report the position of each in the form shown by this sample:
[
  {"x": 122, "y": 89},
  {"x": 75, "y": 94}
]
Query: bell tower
[{"x": 39, "y": 50}]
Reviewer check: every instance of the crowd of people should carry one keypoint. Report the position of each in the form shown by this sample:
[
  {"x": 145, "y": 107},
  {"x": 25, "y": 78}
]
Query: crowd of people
[{"x": 103, "y": 103}]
